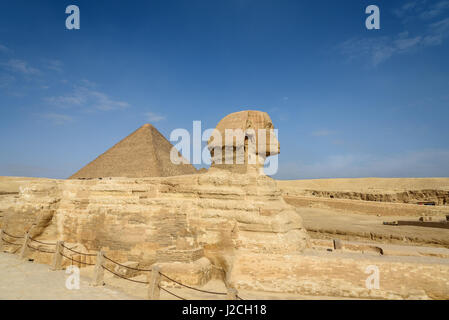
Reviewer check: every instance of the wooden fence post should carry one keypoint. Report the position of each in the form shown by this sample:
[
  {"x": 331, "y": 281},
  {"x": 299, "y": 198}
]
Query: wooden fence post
[
  {"x": 24, "y": 249},
  {"x": 154, "y": 280},
  {"x": 1, "y": 240},
  {"x": 57, "y": 257},
  {"x": 231, "y": 293},
  {"x": 98, "y": 279}
]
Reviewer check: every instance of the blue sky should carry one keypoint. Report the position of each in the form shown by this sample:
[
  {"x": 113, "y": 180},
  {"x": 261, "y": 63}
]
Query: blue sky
[{"x": 348, "y": 102}]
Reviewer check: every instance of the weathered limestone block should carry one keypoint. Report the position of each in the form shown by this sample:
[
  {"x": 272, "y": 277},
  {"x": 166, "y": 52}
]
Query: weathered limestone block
[
  {"x": 172, "y": 254},
  {"x": 342, "y": 275},
  {"x": 196, "y": 273},
  {"x": 127, "y": 272},
  {"x": 34, "y": 209}
]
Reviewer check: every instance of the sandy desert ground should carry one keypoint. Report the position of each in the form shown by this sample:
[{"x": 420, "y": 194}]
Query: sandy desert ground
[
  {"x": 27, "y": 278},
  {"x": 355, "y": 209}
]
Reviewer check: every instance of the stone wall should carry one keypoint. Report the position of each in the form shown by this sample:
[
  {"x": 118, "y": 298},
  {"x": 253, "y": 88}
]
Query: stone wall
[
  {"x": 343, "y": 275},
  {"x": 171, "y": 254}
]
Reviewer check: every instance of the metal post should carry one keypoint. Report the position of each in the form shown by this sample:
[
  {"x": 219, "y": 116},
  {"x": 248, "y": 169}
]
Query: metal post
[
  {"x": 57, "y": 257},
  {"x": 98, "y": 279},
  {"x": 154, "y": 280},
  {"x": 24, "y": 250}
]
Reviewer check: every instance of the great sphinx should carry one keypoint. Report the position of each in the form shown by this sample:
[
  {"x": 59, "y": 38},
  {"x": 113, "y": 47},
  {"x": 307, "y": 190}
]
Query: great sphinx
[
  {"x": 231, "y": 209},
  {"x": 230, "y": 222}
]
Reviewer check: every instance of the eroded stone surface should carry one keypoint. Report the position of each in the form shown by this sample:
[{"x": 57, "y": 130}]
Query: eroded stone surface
[
  {"x": 242, "y": 141},
  {"x": 131, "y": 219}
]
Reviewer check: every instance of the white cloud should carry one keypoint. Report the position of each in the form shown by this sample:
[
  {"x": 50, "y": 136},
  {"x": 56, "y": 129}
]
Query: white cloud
[
  {"x": 420, "y": 9},
  {"x": 438, "y": 31},
  {"x": 83, "y": 96},
  {"x": 58, "y": 119},
  {"x": 376, "y": 49},
  {"x": 380, "y": 49},
  {"x": 53, "y": 64},
  {"x": 406, "y": 9},
  {"x": 440, "y": 27},
  {"x": 103, "y": 102},
  {"x": 20, "y": 66},
  {"x": 153, "y": 117},
  {"x": 4, "y": 49},
  {"x": 322, "y": 133},
  {"x": 6, "y": 80},
  {"x": 435, "y": 10},
  {"x": 407, "y": 43},
  {"x": 426, "y": 163},
  {"x": 88, "y": 83},
  {"x": 66, "y": 101}
]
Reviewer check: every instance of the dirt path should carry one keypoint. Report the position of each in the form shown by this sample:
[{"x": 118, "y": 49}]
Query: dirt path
[{"x": 24, "y": 280}]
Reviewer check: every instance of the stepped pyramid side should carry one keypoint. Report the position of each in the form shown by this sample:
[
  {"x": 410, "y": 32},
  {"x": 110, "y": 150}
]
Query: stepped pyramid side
[{"x": 144, "y": 153}]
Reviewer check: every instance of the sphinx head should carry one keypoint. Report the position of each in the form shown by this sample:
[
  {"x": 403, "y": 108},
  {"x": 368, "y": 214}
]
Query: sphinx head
[{"x": 242, "y": 141}]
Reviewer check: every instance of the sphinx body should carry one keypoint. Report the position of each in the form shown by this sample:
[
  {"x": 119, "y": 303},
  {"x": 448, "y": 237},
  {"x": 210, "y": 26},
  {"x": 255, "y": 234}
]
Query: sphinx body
[{"x": 230, "y": 210}]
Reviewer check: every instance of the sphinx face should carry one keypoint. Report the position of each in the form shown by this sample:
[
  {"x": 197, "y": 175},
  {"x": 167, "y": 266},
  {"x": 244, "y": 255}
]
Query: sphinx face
[{"x": 249, "y": 135}]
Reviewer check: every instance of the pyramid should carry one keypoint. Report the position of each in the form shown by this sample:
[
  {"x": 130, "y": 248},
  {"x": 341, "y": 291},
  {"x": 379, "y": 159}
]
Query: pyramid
[{"x": 144, "y": 153}]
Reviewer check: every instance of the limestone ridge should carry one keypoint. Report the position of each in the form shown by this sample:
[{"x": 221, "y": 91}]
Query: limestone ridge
[{"x": 144, "y": 153}]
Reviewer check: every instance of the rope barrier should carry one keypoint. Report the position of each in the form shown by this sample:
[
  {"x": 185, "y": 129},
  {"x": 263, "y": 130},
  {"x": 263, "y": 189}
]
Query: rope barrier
[
  {"x": 73, "y": 260},
  {"x": 10, "y": 235},
  {"x": 121, "y": 265},
  {"x": 120, "y": 276},
  {"x": 80, "y": 253},
  {"x": 115, "y": 262},
  {"x": 184, "y": 285},
  {"x": 162, "y": 288},
  {"x": 40, "y": 250},
  {"x": 44, "y": 243},
  {"x": 16, "y": 244}
]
